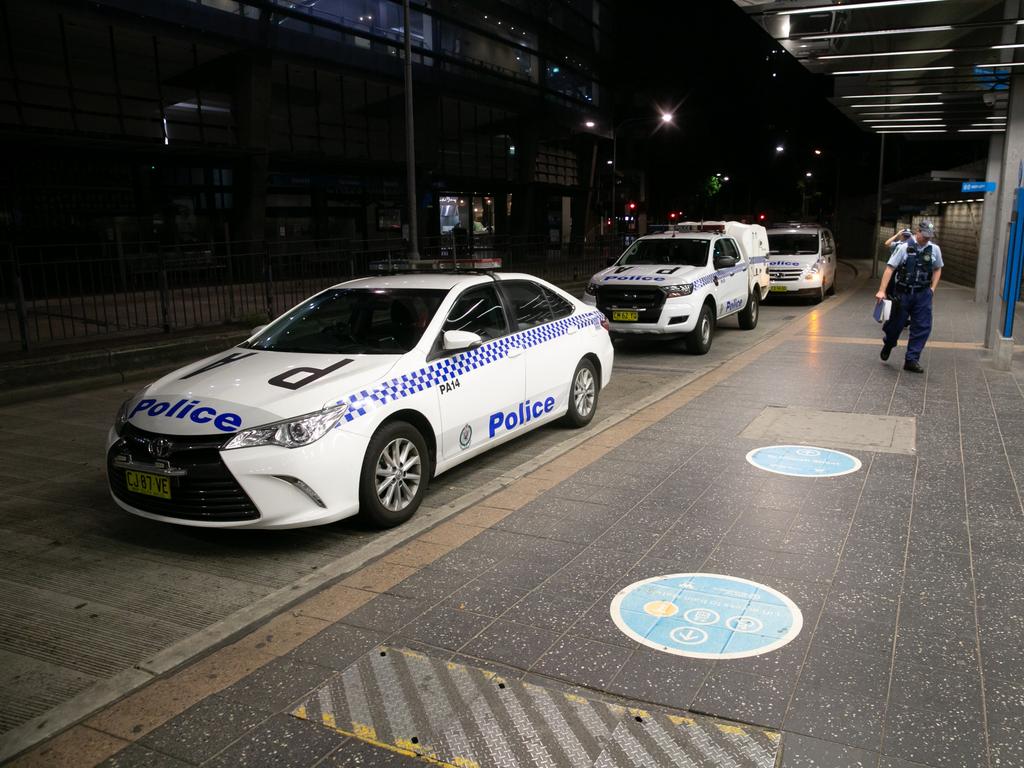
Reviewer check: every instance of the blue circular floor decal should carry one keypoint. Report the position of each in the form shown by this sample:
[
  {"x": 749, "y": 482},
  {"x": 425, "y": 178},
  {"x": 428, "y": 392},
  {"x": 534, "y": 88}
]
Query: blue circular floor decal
[
  {"x": 803, "y": 461},
  {"x": 706, "y": 615}
]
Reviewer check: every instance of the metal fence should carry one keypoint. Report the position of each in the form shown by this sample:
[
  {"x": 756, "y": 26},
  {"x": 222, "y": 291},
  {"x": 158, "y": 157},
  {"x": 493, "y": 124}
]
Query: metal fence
[{"x": 62, "y": 293}]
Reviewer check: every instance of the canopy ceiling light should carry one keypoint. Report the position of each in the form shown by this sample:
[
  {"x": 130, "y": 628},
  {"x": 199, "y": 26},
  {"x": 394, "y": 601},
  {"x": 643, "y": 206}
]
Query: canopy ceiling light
[
  {"x": 919, "y": 52},
  {"x": 850, "y": 7},
  {"x": 892, "y": 95},
  {"x": 886, "y": 71}
]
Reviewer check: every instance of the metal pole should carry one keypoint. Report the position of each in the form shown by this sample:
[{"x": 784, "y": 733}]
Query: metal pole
[
  {"x": 410, "y": 138},
  {"x": 878, "y": 211},
  {"x": 615, "y": 189}
]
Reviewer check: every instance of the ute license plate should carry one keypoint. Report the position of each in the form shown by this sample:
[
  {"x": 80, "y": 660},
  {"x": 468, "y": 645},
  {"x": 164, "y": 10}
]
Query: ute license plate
[
  {"x": 150, "y": 485},
  {"x": 779, "y": 288},
  {"x": 619, "y": 314}
]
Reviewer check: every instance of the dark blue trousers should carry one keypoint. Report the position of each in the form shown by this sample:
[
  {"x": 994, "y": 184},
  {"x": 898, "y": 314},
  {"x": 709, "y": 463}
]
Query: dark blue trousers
[{"x": 918, "y": 307}]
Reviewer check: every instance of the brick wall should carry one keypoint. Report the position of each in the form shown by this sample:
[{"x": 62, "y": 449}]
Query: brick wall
[{"x": 957, "y": 231}]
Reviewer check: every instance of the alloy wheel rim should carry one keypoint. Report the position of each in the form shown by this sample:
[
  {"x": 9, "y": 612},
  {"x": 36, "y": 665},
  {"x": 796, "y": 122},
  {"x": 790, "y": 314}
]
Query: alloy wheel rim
[
  {"x": 705, "y": 330},
  {"x": 753, "y": 309},
  {"x": 397, "y": 475},
  {"x": 583, "y": 392}
]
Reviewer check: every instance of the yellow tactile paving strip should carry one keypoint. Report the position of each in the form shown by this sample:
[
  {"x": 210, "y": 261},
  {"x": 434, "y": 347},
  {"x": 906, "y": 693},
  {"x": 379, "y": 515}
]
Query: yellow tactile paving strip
[
  {"x": 877, "y": 342},
  {"x": 115, "y": 727}
]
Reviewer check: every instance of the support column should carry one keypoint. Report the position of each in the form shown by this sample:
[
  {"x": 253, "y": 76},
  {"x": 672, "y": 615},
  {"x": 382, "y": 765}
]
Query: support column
[
  {"x": 983, "y": 285},
  {"x": 252, "y": 105},
  {"x": 1010, "y": 179}
]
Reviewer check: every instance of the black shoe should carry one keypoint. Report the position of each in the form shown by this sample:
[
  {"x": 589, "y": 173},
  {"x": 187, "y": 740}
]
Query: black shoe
[
  {"x": 913, "y": 366},
  {"x": 886, "y": 349}
]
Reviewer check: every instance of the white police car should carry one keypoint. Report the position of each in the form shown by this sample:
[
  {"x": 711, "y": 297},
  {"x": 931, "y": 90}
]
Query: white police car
[
  {"x": 801, "y": 261},
  {"x": 682, "y": 282},
  {"x": 351, "y": 401}
]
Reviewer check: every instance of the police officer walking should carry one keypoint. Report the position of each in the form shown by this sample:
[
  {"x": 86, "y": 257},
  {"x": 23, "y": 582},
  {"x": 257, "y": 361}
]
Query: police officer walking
[{"x": 917, "y": 266}]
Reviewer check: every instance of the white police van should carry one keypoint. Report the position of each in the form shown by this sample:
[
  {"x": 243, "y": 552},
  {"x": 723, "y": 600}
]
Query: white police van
[
  {"x": 801, "y": 261},
  {"x": 352, "y": 400},
  {"x": 683, "y": 281}
]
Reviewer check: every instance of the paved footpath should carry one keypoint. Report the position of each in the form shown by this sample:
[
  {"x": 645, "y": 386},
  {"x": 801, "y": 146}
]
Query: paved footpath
[{"x": 488, "y": 640}]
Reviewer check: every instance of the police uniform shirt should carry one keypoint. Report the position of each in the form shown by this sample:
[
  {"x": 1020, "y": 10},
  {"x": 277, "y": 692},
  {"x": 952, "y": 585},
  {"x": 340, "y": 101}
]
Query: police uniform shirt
[{"x": 900, "y": 255}]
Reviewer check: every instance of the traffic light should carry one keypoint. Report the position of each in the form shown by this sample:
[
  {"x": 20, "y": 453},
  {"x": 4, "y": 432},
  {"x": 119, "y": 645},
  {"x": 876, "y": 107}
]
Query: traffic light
[
  {"x": 762, "y": 216},
  {"x": 631, "y": 206},
  {"x": 672, "y": 216}
]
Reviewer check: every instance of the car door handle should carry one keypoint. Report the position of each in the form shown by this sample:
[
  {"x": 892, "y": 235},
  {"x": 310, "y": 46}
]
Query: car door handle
[
  {"x": 572, "y": 329},
  {"x": 515, "y": 351}
]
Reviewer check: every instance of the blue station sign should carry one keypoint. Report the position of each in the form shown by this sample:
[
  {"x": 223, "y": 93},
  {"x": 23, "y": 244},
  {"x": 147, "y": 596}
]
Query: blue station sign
[
  {"x": 978, "y": 186},
  {"x": 706, "y": 615},
  {"x": 803, "y": 461}
]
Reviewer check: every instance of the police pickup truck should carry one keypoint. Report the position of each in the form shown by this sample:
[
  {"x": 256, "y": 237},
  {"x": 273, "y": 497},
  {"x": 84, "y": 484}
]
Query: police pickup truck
[{"x": 681, "y": 282}]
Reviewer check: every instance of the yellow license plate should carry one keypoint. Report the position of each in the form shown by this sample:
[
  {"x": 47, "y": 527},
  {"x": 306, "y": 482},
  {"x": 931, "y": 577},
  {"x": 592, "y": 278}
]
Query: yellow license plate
[
  {"x": 150, "y": 485},
  {"x": 779, "y": 288},
  {"x": 620, "y": 315}
]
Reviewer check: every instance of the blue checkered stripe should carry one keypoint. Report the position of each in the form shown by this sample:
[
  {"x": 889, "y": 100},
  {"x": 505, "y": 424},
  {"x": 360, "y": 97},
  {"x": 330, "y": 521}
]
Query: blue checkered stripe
[
  {"x": 758, "y": 259},
  {"x": 368, "y": 400},
  {"x": 721, "y": 274}
]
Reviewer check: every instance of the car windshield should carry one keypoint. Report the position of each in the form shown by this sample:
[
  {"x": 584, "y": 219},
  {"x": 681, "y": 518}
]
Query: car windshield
[
  {"x": 793, "y": 242},
  {"x": 355, "y": 321},
  {"x": 682, "y": 251}
]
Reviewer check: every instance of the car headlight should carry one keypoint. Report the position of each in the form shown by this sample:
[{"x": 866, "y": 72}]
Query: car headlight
[
  {"x": 812, "y": 271},
  {"x": 291, "y": 433},
  {"x": 591, "y": 289},
  {"x": 122, "y": 417},
  {"x": 675, "y": 291}
]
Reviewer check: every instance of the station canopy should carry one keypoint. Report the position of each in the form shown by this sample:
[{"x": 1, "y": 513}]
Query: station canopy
[{"x": 926, "y": 68}]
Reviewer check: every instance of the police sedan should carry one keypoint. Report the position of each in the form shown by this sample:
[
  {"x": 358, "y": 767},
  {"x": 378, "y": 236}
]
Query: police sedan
[{"x": 351, "y": 401}]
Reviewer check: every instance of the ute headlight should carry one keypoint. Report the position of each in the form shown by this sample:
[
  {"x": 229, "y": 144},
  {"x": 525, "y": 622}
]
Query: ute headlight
[
  {"x": 291, "y": 433},
  {"x": 591, "y": 289},
  {"x": 122, "y": 417},
  {"x": 675, "y": 291}
]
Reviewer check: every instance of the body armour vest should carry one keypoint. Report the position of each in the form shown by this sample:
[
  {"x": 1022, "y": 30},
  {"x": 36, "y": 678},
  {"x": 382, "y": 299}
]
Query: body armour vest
[{"x": 916, "y": 270}]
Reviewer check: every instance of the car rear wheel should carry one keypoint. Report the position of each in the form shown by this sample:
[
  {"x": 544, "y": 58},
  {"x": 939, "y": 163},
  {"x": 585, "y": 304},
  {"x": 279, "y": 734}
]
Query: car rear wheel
[
  {"x": 748, "y": 316},
  {"x": 583, "y": 394},
  {"x": 699, "y": 340},
  {"x": 394, "y": 476},
  {"x": 832, "y": 286}
]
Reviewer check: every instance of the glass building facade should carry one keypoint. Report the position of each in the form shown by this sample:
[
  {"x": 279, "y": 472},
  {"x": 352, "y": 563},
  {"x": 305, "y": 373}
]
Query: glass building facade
[{"x": 196, "y": 120}]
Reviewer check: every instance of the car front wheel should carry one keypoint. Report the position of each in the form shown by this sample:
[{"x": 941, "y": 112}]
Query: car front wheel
[
  {"x": 748, "y": 315},
  {"x": 699, "y": 340},
  {"x": 583, "y": 394},
  {"x": 394, "y": 476}
]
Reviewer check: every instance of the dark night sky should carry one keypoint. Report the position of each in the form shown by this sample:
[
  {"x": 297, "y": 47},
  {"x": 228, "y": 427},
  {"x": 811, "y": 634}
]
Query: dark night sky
[{"x": 720, "y": 65}]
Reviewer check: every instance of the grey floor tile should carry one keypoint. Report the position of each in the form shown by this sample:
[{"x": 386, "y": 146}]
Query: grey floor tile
[
  {"x": 934, "y": 737},
  {"x": 919, "y": 686},
  {"x": 385, "y": 613},
  {"x": 283, "y": 742},
  {"x": 840, "y": 669},
  {"x": 517, "y": 645},
  {"x": 445, "y": 627},
  {"x": 336, "y": 647},
  {"x": 201, "y": 731},
  {"x": 938, "y": 646},
  {"x": 136, "y": 755},
  {"x": 431, "y": 584},
  {"x": 487, "y": 598},
  {"x": 581, "y": 661},
  {"x": 833, "y": 716},
  {"x": 800, "y": 751},
  {"x": 550, "y": 610},
  {"x": 660, "y": 678},
  {"x": 277, "y": 684},
  {"x": 861, "y": 605},
  {"x": 597, "y": 624},
  {"x": 744, "y": 697}
]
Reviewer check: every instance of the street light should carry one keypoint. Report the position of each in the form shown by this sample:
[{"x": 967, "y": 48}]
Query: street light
[
  {"x": 665, "y": 117},
  {"x": 779, "y": 148}
]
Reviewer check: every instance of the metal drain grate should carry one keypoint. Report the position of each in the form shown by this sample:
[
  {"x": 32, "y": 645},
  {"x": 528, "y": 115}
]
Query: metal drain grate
[{"x": 456, "y": 715}]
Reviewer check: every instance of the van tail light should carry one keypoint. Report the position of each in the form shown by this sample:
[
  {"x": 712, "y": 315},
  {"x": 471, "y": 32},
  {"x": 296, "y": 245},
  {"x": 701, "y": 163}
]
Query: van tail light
[{"x": 604, "y": 323}]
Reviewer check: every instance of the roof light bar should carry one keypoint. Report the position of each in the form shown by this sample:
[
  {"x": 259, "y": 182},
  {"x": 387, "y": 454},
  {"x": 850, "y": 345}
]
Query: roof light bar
[
  {"x": 849, "y": 7},
  {"x": 888, "y": 53},
  {"x": 898, "y": 104},
  {"x": 878, "y": 32},
  {"x": 886, "y": 71},
  {"x": 893, "y": 95}
]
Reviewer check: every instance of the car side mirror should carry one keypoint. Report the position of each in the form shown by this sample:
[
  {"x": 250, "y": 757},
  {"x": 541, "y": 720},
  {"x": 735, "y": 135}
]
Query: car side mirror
[
  {"x": 257, "y": 329},
  {"x": 724, "y": 262},
  {"x": 455, "y": 340}
]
